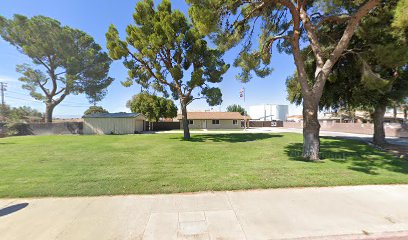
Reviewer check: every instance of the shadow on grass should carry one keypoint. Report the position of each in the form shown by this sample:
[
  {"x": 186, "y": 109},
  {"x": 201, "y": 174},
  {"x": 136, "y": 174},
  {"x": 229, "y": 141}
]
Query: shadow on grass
[
  {"x": 358, "y": 155},
  {"x": 230, "y": 137}
]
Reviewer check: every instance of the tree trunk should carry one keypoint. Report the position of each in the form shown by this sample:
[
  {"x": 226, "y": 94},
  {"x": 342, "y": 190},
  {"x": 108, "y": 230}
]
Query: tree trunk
[
  {"x": 405, "y": 114},
  {"x": 311, "y": 128},
  {"x": 395, "y": 113},
  {"x": 49, "y": 109},
  {"x": 185, "y": 121},
  {"x": 378, "y": 118}
]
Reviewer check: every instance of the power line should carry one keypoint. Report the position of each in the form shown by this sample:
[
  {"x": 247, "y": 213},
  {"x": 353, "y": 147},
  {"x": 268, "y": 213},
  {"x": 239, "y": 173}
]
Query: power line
[
  {"x": 37, "y": 101},
  {"x": 30, "y": 100},
  {"x": 23, "y": 94}
]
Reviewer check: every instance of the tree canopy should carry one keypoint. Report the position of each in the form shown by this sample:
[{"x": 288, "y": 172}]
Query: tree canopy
[
  {"x": 152, "y": 106},
  {"x": 237, "y": 108},
  {"x": 161, "y": 48},
  {"x": 94, "y": 110},
  {"x": 69, "y": 60}
]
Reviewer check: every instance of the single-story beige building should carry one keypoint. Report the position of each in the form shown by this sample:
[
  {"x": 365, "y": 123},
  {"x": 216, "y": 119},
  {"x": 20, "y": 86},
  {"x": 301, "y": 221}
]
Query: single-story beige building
[
  {"x": 114, "y": 123},
  {"x": 213, "y": 120}
]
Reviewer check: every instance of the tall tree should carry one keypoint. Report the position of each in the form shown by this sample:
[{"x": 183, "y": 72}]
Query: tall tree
[
  {"x": 71, "y": 61},
  {"x": 372, "y": 74},
  {"x": 94, "y": 110},
  {"x": 160, "y": 48},
  {"x": 237, "y": 108},
  {"x": 287, "y": 23},
  {"x": 152, "y": 106}
]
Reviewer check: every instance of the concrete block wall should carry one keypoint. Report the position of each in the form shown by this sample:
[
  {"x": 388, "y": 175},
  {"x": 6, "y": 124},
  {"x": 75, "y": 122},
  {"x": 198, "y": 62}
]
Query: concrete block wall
[{"x": 391, "y": 129}]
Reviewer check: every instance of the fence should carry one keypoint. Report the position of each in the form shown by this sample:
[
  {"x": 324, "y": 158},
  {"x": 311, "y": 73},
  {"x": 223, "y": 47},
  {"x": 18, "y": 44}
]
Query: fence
[
  {"x": 3, "y": 130},
  {"x": 162, "y": 126},
  {"x": 391, "y": 129},
  {"x": 21, "y": 129},
  {"x": 265, "y": 124}
]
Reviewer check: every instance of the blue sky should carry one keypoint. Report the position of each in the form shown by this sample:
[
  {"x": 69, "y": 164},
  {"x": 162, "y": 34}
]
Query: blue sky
[{"x": 94, "y": 17}]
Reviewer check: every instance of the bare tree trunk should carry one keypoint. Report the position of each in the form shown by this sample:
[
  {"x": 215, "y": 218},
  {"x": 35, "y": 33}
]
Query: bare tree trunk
[
  {"x": 311, "y": 128},
  {"x": 185, "y": 121},
  {"x": 395, "y": 112},
  {"x": 405, "y": 114},
  {"x": 378, "y": 118},
  {"x": 49, "y": 109}
]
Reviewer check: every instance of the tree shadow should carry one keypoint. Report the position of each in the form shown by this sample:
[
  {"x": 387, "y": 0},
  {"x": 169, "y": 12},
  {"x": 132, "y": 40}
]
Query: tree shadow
[
  {"x": 358, "y": 155},
  {"x": 230, "y": 137},
  {"x": 11, "y": 209}
]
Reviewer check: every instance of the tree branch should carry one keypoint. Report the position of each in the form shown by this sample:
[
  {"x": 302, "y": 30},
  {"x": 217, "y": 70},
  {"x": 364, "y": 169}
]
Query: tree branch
[
  {"x": 168, "y": 57},
  {"x": 300, "y": 66},
  {"x": 271, "y": 40},
  {"x": 60, "y": 91},
  {"x": 314, "y": 41},
  {"x": 62, "y": 97},
  {"x": 253, "y": 11},
  {"x": 60, "y": 73},
  {"x": 43, "y": 63},
  {"x": 42, "y": 86},
  {"x": 149, "y": 69},
  {"x": 343, "y": 43},
  {"x": 336, "y": 19}
]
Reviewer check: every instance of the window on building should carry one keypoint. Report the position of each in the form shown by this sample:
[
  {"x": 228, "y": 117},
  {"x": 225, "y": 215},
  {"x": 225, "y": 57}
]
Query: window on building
[
  {"x": 190, "y": 122},
  {"x": 235, "y": 122},
  {"x": 215, "y": 122}
]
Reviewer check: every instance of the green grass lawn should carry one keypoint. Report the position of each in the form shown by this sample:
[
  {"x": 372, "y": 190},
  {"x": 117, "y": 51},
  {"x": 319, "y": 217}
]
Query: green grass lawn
[{"x": 164, "y": 163}]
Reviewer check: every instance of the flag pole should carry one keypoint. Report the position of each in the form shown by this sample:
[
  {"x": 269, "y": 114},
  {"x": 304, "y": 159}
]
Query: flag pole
[{"x": 245, "y": 120}]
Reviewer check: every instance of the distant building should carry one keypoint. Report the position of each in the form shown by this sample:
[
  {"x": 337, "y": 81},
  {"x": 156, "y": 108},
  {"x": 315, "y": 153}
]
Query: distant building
[
  {"x": 269, "y": 112},
  {"x": 295, "y": 118},
  {"x": 213, "y": 120}
]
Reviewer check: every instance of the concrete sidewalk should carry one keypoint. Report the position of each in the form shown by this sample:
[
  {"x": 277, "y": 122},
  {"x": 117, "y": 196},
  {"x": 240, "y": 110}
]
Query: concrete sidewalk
[{"x": 359, "y": 212}]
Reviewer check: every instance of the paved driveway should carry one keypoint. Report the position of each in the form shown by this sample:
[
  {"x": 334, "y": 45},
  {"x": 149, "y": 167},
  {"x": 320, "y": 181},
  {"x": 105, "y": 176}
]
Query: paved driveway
[
  {"x": 360, "y": 212},
  {"x": 363, "y": 137}
]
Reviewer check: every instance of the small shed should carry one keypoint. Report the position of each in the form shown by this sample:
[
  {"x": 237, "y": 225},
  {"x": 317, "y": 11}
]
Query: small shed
[{"x": 114, "y": 123}]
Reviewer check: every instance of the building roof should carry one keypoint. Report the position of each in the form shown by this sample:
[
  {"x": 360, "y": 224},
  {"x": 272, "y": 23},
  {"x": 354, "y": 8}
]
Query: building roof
[
  {"x": 296, "y": 116},
  {"x": 329, "y": 118},
  {"x": 213, "y": 115},
  {"x": 113, "y": 115}
]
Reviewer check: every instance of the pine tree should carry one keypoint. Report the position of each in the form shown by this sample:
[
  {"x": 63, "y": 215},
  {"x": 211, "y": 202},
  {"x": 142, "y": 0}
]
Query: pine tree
[{"x": 160, "y": 48}]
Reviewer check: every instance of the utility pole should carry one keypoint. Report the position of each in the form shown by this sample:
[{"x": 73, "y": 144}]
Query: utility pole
[{"x": 3, "y": 86}]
